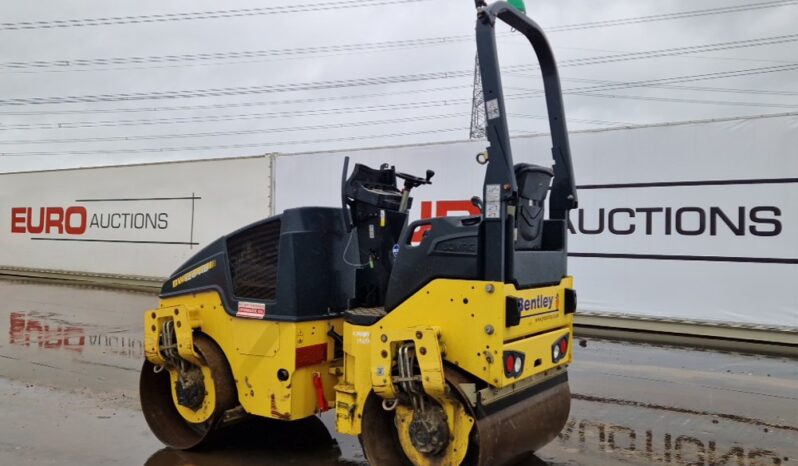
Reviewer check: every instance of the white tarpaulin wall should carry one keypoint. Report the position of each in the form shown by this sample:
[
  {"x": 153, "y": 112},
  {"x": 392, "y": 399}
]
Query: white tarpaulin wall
[
  {"x": 142, "y": 220},
  {"x": 695, "y": 221},
  {"x": 688, "y": 221}
]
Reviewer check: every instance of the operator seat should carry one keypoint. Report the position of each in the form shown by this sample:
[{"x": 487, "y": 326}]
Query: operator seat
[
  {"x": 450, "y": 246},
  {"x": 533, "y": 185}
]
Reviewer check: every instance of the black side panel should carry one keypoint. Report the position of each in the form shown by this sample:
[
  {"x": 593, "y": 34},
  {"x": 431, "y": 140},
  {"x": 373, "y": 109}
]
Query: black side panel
[
  {"x": 314, "y": 282},
  {"x": 449, "y": 249},
  {"x": 374, "y": 243},
  {"x": 292, "y": 263},
  {"x": 546, "y": 266},
  {"x": 312, "y": 279},
  {"x": 538, "y": 268},
  {"x": 208, "y": 270},
  {"x": 253, "y": 261}
]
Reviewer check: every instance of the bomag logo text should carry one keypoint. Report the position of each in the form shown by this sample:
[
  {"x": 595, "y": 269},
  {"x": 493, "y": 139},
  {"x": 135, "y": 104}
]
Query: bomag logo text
[{"x": 193, "y": 273}]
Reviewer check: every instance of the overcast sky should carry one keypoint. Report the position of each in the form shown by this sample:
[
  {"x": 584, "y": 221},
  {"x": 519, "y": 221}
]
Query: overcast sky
[{"x": 254, "y": 118}]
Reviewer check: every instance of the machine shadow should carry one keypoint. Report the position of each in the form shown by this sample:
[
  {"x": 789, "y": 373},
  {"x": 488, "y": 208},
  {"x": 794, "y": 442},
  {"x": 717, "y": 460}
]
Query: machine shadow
[
  {"x": 266, "y": 442},
  {"x": 261, "y": 442}
]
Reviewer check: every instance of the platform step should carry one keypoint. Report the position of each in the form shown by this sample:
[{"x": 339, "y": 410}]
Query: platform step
[{"x": 364, "y": 315}]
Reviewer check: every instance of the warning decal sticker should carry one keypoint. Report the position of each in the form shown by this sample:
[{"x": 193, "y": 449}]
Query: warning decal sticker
[
  {"x": 493, "y": 201},
  {"x": 251, "y": 310},
  {"x": 492, "y": 109}
]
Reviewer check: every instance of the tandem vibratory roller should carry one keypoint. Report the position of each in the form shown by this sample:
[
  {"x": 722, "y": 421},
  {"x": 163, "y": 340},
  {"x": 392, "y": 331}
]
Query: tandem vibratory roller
[{"x": 449, "y": 351}]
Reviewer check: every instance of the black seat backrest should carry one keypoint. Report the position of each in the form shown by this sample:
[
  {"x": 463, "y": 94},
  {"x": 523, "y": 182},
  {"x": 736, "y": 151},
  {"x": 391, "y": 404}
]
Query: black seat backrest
[
  {"x": 533, "y": 186},
  {"x": 449, "y": 249}
]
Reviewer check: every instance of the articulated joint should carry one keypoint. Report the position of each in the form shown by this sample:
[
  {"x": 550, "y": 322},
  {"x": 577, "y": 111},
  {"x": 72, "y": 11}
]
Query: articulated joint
[
  {"x": 407, "y": 346},
  {"x": 169, "y": 335}
]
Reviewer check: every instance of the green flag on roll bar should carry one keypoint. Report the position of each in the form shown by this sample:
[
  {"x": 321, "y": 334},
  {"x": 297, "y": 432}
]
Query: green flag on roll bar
[{"x": 518, "y": 5}]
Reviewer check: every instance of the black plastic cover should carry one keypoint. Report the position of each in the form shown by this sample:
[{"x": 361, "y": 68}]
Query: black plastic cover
[
  {"x": 374, "y": 187},
  {"x": 303, "y": 246},
  {"x": 449, "y": 249}
]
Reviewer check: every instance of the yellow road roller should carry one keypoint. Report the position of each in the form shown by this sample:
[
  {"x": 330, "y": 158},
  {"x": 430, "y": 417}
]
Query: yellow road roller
[{"x": 451, "y": 348}]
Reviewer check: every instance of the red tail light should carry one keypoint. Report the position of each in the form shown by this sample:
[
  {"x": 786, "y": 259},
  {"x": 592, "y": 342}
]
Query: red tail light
[
  {"x": 559, "y": 350},
  {"x": 509, "y": 363},
  {"x": 513, "y": 364}
]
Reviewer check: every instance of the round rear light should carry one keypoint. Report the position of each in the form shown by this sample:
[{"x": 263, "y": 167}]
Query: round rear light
[
  {"x": 557, "y": 352},
  {"x": 563, "y": 346},
  {"x": 519, "y": 364},
  {"x": 509, "y": 364}
]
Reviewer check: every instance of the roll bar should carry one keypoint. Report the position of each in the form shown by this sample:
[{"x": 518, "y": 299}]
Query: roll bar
[{"x": 500, "y": 184}]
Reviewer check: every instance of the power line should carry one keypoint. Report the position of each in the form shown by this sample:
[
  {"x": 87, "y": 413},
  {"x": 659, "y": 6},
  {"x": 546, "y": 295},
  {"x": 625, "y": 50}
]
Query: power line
[
  {"x": 576, "y": 120},
  {"x": 590, "y": 91},
  {"x": 252, "y": 145},
  {"x": 226, "y": 91},
  {"x": 192, "y": 16},
  {"x": 365, "y": 109},
  {"x": 682, "y": 79},
  {"x": 412, "y": 119},
  {"x": 671, "y": 16},
  {"x": 349, "y": 110},
  {"x": 338, "y": 84},
  {"x": 301, "y": 8},
  {"x": 236, "y": 117},
  {"x": 414, "y": 105},
  {"x": 234, "y": 104},
  {"x": 629, "y": 56},
  {"x": 689, "y": 101},
  {"x": 367, "y": 96},
  {"x": 236, "y": 132},
  {"x": 725, "y": 90},
  {"x": 323, "y": 85},
  {"x": 646, "y": 54},
  {"x": 229, "y": 146},
  {"x": 616, "y": 85},
  {"x": 215, "y": 57},
  {"x": 259, "y": 116},
  {"x": 663, "y": 83}
]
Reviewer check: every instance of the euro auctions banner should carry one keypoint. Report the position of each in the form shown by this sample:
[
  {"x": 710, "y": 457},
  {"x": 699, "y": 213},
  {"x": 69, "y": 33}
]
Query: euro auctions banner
[
  {"x": 140, "y": 220},
  {"x": 686, "y": 221}
]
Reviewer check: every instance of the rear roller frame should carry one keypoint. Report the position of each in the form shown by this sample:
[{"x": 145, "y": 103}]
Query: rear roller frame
[
  {"x": 507, "y": 432},
  {"x": 172, "y": 423}
]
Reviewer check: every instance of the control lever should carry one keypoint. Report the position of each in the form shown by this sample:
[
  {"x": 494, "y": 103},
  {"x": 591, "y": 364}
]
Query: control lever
[
  {"x": 414, "y": 181},
  {"x": 410, "y": 183},
  {"x": 476, "y": 201}
]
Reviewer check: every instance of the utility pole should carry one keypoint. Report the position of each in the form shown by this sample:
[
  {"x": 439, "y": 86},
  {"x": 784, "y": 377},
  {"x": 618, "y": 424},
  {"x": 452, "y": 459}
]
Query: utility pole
[{"x": 478, "y": 118}]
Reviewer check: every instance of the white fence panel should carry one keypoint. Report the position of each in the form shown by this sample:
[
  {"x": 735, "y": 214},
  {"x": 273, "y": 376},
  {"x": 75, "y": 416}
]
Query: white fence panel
[
  {"x": 142, "y": 220},
  {"x": 687, "y": 221}
]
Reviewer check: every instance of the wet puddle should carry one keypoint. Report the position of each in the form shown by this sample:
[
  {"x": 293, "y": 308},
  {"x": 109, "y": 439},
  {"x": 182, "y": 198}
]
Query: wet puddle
[
  {"x": 46, "y": 331},
  {"x": 93, "y": 336}
]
